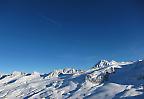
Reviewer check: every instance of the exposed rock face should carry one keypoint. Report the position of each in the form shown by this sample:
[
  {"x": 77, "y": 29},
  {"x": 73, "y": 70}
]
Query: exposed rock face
[
  {"x": 102, "y": 64},
  {"x": 100, "y": 76},
  {"x": 124, "y": 80},
  {"x": 96, "y": 78},
  {"x": 64, "y": 71}
]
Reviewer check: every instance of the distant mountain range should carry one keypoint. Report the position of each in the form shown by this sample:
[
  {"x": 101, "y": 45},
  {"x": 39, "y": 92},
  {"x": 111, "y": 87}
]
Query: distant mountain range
[{"x": 105, "y": 80}]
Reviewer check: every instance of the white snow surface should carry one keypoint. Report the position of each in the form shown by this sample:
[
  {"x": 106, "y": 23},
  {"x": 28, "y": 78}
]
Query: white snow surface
[{"x": 106, "y": 80}]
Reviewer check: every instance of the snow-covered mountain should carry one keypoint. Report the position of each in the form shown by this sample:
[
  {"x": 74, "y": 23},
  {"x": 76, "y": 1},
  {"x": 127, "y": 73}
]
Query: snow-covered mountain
[{"x": 105, "y": 80}]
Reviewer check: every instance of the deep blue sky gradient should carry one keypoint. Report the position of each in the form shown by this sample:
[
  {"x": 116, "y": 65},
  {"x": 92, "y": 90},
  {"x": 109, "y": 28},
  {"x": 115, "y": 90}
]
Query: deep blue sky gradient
[{"x": 43, "y": 35}]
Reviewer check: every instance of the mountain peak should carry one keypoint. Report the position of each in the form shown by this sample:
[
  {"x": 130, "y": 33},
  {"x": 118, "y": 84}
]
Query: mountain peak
[
  {"x": 104, "y": 63},
  {"x": 64, "y": 71},
  {"x": 125, "y": 81}
]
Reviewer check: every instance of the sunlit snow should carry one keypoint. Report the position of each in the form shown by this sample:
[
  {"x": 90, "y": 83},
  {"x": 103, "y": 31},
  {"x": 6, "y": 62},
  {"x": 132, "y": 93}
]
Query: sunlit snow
[{"x": 106, "y": 80}]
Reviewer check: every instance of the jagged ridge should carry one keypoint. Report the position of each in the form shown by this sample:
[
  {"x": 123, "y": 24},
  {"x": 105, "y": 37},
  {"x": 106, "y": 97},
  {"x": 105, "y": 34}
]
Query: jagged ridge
[{"x": 114, "y": 79}]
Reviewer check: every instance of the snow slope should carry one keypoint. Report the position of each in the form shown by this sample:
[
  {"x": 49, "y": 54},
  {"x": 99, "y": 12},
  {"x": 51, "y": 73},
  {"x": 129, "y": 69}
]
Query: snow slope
[{"x": 106, "y": 80}]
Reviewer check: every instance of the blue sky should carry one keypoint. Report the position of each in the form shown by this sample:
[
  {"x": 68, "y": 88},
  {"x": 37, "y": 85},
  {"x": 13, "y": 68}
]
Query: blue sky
[{"x": 43, "y": 35}]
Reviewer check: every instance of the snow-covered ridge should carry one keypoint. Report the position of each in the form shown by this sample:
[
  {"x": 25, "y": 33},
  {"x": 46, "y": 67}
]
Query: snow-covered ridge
[
  {"x": 106, "y": 63},
  {"x": 106, "y": 80}
]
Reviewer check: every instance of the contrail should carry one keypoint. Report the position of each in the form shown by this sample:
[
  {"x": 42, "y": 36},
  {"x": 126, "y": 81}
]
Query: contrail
[{"x": 51, "y": 20}]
